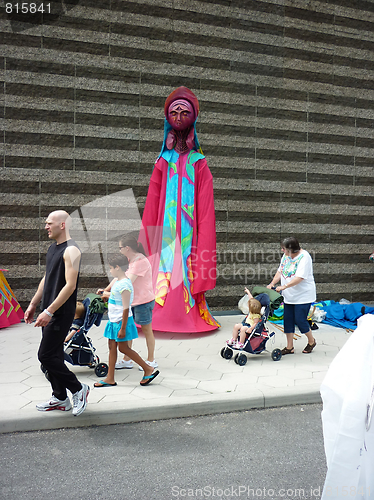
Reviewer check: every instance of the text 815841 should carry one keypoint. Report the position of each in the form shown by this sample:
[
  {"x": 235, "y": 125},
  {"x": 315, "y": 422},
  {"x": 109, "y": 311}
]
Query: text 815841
[{"x": 27, "y": 8}]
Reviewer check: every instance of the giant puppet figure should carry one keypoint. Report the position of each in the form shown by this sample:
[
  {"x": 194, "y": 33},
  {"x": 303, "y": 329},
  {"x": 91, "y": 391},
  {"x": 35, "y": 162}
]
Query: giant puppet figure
[{"x": 178, "y": 224}]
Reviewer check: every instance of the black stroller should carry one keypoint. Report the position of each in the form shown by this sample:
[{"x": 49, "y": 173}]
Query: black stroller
[
  {"x": 79, "y": 350},
  {"x": 256, "y": 341}
]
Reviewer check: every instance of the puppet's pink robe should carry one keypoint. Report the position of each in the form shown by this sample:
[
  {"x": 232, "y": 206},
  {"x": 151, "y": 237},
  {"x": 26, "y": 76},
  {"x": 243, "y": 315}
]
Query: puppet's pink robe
[{"x": 180, "y": 289}]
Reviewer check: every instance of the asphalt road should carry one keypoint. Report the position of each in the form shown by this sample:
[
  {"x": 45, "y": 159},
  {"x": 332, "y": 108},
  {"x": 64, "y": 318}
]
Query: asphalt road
[{"x": 260, "y": 454}]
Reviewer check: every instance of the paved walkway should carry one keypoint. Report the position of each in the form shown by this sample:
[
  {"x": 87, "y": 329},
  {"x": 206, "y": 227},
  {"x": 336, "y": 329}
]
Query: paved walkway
[{"x": 194, "y": 379}]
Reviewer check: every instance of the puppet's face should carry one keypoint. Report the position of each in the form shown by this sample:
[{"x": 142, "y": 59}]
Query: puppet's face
[{"x": 181, "y": 115}]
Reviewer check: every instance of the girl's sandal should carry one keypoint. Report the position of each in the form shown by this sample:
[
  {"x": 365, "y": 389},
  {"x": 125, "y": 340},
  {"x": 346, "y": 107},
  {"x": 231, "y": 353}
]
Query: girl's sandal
[
  {"x": 309, "y": 347},
  {"x": 147, "y": 379},
  {"x": 285, "y": 351}
]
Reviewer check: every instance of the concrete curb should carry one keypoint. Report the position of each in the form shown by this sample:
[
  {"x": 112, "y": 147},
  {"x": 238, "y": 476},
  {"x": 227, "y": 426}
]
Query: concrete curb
[{"x": 32, "y": 420}]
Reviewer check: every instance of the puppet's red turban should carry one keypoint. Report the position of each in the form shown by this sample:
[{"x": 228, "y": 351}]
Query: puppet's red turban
[{"x": 182, "y": 93}]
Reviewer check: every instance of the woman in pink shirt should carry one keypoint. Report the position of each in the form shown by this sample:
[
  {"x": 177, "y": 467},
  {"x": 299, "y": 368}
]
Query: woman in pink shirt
[{"x": 140, "y": 274}]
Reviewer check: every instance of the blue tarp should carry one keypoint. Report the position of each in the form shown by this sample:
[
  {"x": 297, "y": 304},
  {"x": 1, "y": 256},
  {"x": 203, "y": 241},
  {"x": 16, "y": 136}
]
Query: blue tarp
[
  {"x": 344, "y": 315},
  {"x": 340, "y": 315}
]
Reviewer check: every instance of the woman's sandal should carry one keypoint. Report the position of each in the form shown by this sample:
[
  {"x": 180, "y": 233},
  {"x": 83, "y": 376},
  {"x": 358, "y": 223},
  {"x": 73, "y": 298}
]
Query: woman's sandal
[
  {"x": 309, "y": 347},
  {"x": 285, "y": 351}
]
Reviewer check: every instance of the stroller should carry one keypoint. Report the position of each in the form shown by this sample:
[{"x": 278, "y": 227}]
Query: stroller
[
  {"x": 79, "y": 350},
  {"x": 256, "y": 341}
]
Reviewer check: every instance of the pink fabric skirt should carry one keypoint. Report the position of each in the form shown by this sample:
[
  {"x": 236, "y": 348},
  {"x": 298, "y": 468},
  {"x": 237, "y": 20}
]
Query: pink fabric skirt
[{"x": 173, "y": 316}]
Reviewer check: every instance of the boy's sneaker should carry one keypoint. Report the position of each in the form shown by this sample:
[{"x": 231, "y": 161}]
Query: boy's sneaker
[
  {"x": 120, "y": 365},
  {"x": 80, "y": 400},
  {"x": 154, "y": 364},
  {"x": 54, "y": 404},
  {"x": 230, "y": 342}
]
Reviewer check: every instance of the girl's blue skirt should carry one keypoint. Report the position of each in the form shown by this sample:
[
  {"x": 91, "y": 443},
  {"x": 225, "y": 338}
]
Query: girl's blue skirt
[{"x": 112, "y": 329}]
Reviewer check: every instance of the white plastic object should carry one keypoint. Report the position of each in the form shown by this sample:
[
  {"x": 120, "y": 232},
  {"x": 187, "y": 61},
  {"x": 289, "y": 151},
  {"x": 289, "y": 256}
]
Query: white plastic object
[{"x": 347, "y": 395}]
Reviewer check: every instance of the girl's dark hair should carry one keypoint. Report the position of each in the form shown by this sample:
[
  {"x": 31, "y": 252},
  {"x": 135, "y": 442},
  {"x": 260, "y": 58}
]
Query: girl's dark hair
[
  {"x": 291, "y": 243},
  {"x": 118, "y": 260},
  {"x": 129, "y": 240}
]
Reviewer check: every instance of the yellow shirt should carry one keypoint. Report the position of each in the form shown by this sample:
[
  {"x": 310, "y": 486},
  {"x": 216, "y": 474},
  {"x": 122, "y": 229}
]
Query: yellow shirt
[{"x": 251, "y": 317}]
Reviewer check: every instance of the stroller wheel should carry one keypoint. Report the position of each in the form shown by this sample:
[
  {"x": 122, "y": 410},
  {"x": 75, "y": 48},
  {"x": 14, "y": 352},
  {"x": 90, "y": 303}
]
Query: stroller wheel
[
  {"x": 276, "y": 354},
  {"x": 226, "y": 353},
  {"x": 101, "y": 370},
  {"x": 242, "y": 359},
  {"x": 236, "y": 358}
]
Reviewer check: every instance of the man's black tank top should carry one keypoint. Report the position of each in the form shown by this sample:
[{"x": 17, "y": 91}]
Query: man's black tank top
[{"x": 55, "y": 279}]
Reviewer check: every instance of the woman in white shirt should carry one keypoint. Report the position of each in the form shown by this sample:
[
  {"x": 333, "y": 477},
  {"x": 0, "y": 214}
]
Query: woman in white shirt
[{"x": 298, "y": 289}]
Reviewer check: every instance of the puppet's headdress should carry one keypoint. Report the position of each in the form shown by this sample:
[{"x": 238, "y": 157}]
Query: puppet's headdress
[{"x": 188, "y": 95}]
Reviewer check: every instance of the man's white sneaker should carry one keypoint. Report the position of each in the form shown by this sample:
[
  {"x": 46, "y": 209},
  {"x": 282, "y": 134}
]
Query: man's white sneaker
[
  {"x": 80, "y": 400},
  {"x": 120, "y": 365},
  {"x": 150, "y": 363},
  {"x": 54, "y": 404}
]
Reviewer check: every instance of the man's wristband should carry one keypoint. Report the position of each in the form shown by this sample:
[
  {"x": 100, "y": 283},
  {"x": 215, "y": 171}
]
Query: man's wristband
[{"x": 48, "y": 313}]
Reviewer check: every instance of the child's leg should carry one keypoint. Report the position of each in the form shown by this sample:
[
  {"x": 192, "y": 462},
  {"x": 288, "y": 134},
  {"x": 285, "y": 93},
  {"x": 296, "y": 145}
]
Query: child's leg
[
  {"x": 243, "y": 334},
  {"x": 126, "y": 358},
  {"x": 70, "y": 335},
  {"x": 112, "y": 344},
  {"x": 236, "y": 330},
  {"x": 109, "y": 379},
  {"x": 235, "y": 333},
  {"x": 150, "y": 340},
  {"x": 125, "y": 348}
]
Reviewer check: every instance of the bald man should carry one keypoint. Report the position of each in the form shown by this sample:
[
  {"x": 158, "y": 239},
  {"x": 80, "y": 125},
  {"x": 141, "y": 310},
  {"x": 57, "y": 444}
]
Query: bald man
[{"x": 58, "y": 293}]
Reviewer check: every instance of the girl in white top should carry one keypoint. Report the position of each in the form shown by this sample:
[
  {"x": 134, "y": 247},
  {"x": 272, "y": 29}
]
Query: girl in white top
[
  {"x": 120, "y": 329},
  {"x": 298, "y": 289}
]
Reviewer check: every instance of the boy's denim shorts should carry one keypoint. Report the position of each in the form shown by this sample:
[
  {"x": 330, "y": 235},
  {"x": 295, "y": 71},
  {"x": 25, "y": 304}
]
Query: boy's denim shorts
[{"x": 143, "y": 313}]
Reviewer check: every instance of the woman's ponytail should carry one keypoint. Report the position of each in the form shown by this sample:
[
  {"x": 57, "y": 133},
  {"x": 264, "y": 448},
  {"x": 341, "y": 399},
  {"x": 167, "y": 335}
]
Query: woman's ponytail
[
  {"x": 129, "y": 240},
  {"x": 141, "y": 248}
]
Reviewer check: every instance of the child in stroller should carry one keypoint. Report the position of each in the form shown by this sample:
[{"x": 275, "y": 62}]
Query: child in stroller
[
  {"x": 246, "y": 327},
  {"x": 254, "y": 341},
  {"x": 80, "y": 313},
  {"x": 79, "y": 350}
]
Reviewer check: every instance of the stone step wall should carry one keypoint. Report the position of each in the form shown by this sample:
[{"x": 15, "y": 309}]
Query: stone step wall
[{"x": 287, "y": 114}]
